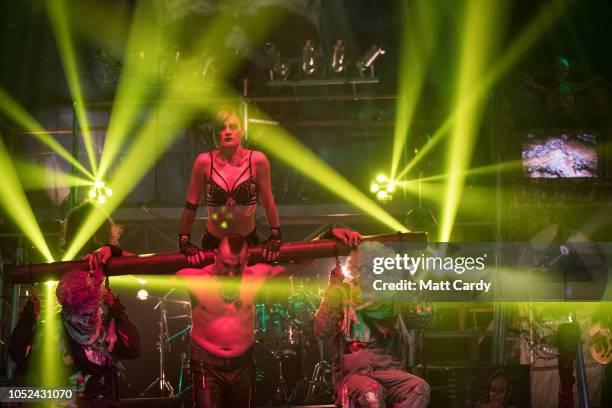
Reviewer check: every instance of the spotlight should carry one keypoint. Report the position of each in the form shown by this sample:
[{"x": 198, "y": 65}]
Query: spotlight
[
  {"x": 142, "y": 294},
  {"x": 338, "y": 60},
  {"x": 383, "y": 188},
  {"x": 367, "y": 60},
  {"x": 309, "y": 59},
  {"x": 276, "y": 65},
  {"x": 99, "y": 192},
  {"x": 383, "y": 196},
  {"x": 381, "y": 178}
]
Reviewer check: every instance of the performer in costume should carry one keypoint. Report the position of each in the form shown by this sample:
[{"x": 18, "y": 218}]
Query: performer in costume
[
  {"x": 232, "y": 179},
  {"x": 95, "y": 333},
  {"x": 370, "y": 337},
  {"x": 223, "y": 316}
]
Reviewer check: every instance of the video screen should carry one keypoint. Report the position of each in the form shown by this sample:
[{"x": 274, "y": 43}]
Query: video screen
[{"x": 559, "y": 154}]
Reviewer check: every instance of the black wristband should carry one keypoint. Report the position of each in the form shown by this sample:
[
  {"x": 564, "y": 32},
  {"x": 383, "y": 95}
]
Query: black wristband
[
  {"x": 115, "y": 250},
  {"x": 184, "y": 240},
  {"x": 191, "y": 206},
  {"x": 275, "y": 233}
]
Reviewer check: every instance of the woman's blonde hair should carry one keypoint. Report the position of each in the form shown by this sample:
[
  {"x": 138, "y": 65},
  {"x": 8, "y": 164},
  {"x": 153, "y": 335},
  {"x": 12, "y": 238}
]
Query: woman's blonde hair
[
  {"x": 223, "y": 113},
  {"x": 107, "y": 233}
]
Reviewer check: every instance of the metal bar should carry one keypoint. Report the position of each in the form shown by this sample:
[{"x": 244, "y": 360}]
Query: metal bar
[
  {"x": 169, "y": 263},
  {"x": 322, "y": 82},
  {"x": 330, "y": 98}
]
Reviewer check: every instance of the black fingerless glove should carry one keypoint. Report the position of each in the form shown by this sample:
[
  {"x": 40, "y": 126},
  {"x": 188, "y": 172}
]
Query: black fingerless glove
[
  {"x": 115, "y": 250},
  {"x": 185, "y": 246},
  {"x": 274, "y": 241}
]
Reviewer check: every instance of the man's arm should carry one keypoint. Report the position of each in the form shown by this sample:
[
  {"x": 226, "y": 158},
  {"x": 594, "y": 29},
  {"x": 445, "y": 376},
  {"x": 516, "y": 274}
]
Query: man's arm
[
  {"x": 328, "y": 313},
  {"x": 128, "y": 337},
  {"x": 22, "y": 337}
]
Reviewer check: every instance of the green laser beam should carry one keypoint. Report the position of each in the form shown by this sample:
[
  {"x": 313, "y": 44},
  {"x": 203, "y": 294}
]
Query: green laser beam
[
  {"x": 16, "y": 205},
  {"x": 545, "y": 19},
  {"x": 21, "y": 117},
  {"x": 58, "y": 15},
  {"x": 489, "y": 169},
  {"x": 287, "y": 148},
  {"x": 143, "y": 47},
  {"x": 419, "y": 37},
  {"x": 482, "y": 23},
  {"x": 38, "y": 176}
]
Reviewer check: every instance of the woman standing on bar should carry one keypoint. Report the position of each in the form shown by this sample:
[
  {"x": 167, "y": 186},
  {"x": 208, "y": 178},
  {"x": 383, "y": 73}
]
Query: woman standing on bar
[{"x": 232, "y": 179}]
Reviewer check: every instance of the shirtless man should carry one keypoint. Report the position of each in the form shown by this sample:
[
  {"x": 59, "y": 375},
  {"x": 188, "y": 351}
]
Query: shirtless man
[{"x": 222, "y": 365}]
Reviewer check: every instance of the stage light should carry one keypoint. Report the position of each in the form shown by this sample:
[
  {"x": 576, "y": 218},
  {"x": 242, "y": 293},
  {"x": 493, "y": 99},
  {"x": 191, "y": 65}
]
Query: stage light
[
  {"x": 381, "y": 178},
  {"x": 383, "y": 196},
  {"x": 99, "y": 192},
  {"x": 383, "y": 188},
  {"x": 338, "y": 59},
  {"x": 276, "y": 65},
  {"x": 309, "y": 59},
  {"x": 141, "y": 281},
  {"x": 367, "y": 60},
  {"x": 142, "y": 294}
]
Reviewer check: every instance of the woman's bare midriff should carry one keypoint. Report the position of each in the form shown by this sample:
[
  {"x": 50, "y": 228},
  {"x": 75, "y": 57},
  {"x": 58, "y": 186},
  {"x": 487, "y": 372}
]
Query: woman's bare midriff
[{"x": 235, "y": 219}]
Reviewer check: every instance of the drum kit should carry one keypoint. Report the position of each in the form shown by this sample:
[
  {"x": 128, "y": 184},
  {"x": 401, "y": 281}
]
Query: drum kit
[{"x": 291, "y": 364}]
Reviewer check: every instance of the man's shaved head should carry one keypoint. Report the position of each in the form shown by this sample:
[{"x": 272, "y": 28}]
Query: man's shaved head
[
  {"x": 235, "y": 243},
  {"x": 231, "y": 255}
]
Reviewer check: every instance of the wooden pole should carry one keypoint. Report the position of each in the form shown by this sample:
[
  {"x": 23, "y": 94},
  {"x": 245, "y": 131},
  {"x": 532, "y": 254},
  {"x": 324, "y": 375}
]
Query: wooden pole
[{"x": 170, "y": 263}]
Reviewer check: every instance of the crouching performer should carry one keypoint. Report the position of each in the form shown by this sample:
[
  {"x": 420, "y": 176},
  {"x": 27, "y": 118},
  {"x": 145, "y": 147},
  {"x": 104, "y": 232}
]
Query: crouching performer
[
  {"x": 370, "y": 336},
  {"x": 81, "y": 347}
]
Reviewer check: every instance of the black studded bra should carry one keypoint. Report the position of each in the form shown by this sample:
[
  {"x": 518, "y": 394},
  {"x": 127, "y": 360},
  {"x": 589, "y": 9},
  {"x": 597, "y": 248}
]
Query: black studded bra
[{"x": 244, "y": 193}]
